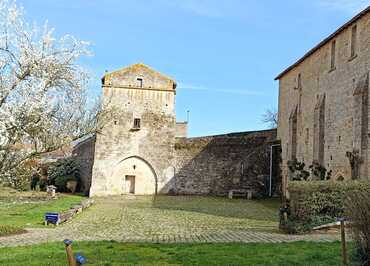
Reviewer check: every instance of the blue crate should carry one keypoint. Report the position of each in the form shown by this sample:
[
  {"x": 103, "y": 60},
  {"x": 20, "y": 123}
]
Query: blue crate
[{"x": 52, "y": 217}]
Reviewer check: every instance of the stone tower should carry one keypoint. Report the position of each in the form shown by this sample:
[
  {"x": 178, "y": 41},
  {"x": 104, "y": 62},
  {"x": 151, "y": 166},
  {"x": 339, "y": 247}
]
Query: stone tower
[{"x": 135, "y": 152}]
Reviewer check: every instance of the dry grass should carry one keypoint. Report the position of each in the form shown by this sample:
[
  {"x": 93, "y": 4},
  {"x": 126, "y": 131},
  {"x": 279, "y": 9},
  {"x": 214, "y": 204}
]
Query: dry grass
[{"x": 9, "y": 195}]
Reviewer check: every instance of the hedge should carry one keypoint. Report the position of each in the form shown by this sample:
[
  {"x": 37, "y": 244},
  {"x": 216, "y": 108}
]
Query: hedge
[{"x": 313, "y": 203}]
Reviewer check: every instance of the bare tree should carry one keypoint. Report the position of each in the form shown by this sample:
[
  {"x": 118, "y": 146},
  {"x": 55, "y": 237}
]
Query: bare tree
[
  {"x": 270, "y": 117},
  {"x": 43, "y": 90}
]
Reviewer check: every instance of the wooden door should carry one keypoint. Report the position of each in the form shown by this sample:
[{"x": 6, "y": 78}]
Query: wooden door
[{"x": 130, "y": 184}]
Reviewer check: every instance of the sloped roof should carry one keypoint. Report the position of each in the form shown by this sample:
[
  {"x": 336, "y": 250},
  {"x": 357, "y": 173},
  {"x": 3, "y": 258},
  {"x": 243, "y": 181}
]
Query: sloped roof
[
  {"x": 138, "y": 66},
  {"x": 325, "y": 41}
]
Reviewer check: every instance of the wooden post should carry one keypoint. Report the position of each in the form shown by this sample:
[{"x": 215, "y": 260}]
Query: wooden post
[
  {"x": 230, "y": 194},
  {"x": 70, "y": 258},
  {"x": 285, "y": 212},
  {"x": 285, "y": 216},
  {"x": 249, "y": 194},
  {"x": 344, "y": 246}
]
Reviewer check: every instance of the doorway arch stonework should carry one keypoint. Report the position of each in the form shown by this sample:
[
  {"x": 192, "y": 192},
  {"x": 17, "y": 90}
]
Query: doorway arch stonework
[{"x": 139, "y": 171}]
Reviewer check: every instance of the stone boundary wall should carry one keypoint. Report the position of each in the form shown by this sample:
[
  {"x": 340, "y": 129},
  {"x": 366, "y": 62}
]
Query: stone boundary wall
[
  {"x": 84, "y": 153},
  {"x": 213, "y": 165}
]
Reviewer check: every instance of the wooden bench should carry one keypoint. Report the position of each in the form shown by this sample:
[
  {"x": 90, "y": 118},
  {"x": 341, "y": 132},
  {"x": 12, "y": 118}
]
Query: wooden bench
[{"x": 244, "y": 193}]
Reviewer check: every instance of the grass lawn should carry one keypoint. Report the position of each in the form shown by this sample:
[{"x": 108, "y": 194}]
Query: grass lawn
[
  {"x": 113, "y": 253},
  {"x": 27, "y": 209}
]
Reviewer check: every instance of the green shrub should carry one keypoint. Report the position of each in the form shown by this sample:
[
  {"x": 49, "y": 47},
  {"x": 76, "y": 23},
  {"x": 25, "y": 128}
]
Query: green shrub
[
  {"x": 61, "y": 182},
  {"x": 315, "y": 203},
  {"x": 319, "y": 172},
  {"x": 43, "y": 183},
  {"x": 298, "y": 171},
  {"x": 295, "y": 227},
  {"x": 63, "y": 171},
  {"x": 34, "y": 180}
]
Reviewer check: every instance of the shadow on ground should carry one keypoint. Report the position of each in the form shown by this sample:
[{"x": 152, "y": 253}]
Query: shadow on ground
[{"x": 266, "y": 209}]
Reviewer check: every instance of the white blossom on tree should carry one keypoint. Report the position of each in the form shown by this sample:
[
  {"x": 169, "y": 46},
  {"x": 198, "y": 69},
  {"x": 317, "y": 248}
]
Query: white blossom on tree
[{"x": 43, "y": 90}]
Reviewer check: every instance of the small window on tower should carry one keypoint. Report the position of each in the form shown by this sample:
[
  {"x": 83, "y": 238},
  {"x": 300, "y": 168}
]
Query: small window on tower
[
  {"x": 137, "y": 123},
  {"x": 139, "y": 82}
]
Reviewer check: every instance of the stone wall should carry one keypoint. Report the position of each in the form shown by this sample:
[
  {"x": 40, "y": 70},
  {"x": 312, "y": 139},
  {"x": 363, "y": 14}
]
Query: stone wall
[
  {"x": 214, "y": 165},
  {"x": 330, "y": 104},
  {"x": 205, "y": 165},
  {"x": 84, "y": 153}
]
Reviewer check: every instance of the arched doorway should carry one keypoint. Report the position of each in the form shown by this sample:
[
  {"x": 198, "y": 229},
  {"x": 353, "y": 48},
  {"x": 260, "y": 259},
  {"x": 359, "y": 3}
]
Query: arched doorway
[{"x": 136, "y": 176}]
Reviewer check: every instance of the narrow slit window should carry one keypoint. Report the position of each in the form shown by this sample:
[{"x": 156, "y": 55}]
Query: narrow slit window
[
  {"x": 139, "y": 82},
  {"x": 299, "y": 81},
  {"x": 307, "y": 139},
  {"x": 354, "y": 41},
  {"x": 333, "y": 55},
  {"x": 137, "y": 123}
]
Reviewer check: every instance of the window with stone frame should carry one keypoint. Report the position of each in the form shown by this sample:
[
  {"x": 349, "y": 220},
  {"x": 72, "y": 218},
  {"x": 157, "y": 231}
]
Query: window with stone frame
[
  {"x": 139, "y": 82},
  {"x": 137, "y": 123},
  {"x": 354, "y": 41}
]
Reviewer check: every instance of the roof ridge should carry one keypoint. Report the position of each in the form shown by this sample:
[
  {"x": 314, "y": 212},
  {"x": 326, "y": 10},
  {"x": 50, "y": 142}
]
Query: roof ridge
[{"x": 140, "y": 65}]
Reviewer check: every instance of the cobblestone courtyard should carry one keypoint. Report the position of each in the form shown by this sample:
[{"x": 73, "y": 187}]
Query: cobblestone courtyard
[{"x": 169, "y": 220}]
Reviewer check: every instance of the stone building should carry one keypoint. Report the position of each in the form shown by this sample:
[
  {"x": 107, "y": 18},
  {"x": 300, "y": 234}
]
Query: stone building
[
  {"x": 135, "y": 153},
  {"x": 323, "y": 104},
  {"x": 144, "y": 151}
]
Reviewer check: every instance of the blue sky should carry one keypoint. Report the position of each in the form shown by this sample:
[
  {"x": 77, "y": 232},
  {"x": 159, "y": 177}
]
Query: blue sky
[{"x": 224, "y": 54}]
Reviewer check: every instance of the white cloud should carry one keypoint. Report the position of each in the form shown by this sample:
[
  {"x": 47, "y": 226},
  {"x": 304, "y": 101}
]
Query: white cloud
[
  {"x": 350, "y": 6},
  {"x": 183, "y": 86}
]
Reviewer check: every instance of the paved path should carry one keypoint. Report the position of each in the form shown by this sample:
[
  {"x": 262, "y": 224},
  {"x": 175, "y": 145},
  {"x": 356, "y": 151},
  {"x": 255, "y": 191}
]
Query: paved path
[{"x": 139, "y": 220}]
